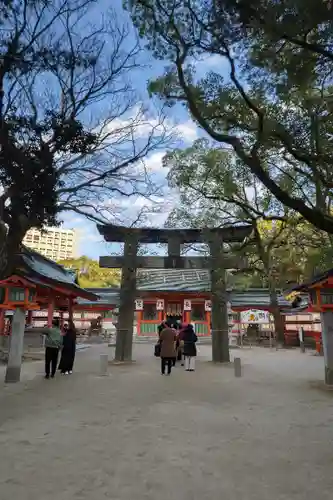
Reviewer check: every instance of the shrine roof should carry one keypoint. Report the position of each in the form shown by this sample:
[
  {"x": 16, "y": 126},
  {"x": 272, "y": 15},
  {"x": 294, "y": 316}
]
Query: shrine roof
[
  {"x": 175, "y": 280},
  {"x": 230, "y": 234},
  {"x": 191, "y": 281},
  {"x": 46, "y": 272},
  {"x": 106, "y": 296},
  {"x": 316, "y": 280}
]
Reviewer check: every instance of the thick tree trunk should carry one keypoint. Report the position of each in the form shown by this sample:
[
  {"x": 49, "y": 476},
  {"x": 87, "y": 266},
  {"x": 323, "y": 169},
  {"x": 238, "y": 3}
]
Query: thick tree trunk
[
  {"x": 10, "y": 245},
  {"x": 278, "y": 318}
]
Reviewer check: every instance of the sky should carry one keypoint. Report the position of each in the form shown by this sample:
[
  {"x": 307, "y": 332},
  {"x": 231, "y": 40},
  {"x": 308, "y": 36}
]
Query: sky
[{"x": 90, "y": 243}]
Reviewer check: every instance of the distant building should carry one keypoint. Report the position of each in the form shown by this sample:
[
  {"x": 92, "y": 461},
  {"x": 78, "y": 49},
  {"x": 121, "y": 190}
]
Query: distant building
[{"x": 54, "y": 242}]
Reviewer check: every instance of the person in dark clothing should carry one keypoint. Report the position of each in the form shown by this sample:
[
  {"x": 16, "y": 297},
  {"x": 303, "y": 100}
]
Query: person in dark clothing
[
  {"x": 190, "y": 351},
  {"x": 52, "y": 346},
  {"x": 168, "y": 353},
  {"x": 161, "y": 327},
  {"x": 175, "y": 326},
  {"x": 68, "y": 350}
]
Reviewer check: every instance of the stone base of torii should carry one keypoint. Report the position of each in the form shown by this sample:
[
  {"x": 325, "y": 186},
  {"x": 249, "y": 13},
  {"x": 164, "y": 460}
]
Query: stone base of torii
[{"x": 218, "y": 262}]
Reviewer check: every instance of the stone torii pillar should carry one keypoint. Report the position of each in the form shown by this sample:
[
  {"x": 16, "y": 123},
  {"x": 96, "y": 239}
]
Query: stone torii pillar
[
  {"x": 220, "y": 326},
  {"x": 124, "y": 339}
]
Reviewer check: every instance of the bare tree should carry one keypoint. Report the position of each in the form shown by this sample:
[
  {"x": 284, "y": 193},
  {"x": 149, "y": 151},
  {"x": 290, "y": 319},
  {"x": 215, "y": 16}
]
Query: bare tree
[{"x": 74, "y": 133}]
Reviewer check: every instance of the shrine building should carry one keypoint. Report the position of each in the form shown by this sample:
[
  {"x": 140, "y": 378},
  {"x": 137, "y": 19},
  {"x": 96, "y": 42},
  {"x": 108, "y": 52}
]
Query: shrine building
[
  {"x": 40, "y": 287},
  {"x": 185, "y": 295}
]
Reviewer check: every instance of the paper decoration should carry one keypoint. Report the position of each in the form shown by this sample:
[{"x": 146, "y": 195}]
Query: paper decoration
[
  {"x": 139, "y": 305},
  {"x": 254, "y": 316},
  {"x": 160, "y": 305},
  {"x": 187, "y": 305},
  {"x": 208, "y": 305}
]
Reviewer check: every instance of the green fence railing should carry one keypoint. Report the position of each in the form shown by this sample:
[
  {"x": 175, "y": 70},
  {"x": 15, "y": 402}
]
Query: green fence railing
[{"x": 148, "y": 328}]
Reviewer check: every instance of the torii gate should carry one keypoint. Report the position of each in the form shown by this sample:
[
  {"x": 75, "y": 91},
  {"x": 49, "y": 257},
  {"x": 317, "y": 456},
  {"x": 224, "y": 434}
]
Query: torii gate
[{"x": 130, "y": 262}]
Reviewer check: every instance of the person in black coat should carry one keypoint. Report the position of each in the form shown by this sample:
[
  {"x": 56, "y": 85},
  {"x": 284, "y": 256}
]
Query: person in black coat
[
  {"x": 68, "y": 350},
  {"x": 189, "y": 349}
]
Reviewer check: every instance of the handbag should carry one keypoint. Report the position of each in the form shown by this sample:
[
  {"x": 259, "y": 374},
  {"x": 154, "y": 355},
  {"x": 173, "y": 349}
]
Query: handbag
[{"x": 157, "y": 350}]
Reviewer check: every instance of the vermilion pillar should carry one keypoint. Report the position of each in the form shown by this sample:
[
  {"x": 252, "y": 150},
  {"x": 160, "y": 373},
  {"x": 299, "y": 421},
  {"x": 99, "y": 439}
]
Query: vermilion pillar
[{"x": 50, "y": 311}]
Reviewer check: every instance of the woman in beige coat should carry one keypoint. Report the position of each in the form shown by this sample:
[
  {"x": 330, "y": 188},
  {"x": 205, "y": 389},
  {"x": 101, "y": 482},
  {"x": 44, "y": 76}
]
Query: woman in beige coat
[{"x": 168, "y": 349}]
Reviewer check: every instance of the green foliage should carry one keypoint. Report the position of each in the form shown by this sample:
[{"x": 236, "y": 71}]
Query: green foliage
[
  {"x": 216, "y": 190},
  {"x": 90, "y": 275},
  {"x": 275, "y": 108}
]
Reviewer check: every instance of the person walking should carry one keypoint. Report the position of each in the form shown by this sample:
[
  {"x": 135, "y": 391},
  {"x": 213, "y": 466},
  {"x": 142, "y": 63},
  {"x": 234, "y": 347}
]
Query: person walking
[
  {"x": 168, "y": 351},
  {"x": 175, "y": 328},
  {"x": 68, "y": 350},
  {"x": 190, "y": 350},
  {"x": 181, "y": 332},
  {"x": 53, "y": 343}
]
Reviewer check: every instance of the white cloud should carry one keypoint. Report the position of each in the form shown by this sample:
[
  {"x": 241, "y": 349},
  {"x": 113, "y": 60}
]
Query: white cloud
[
  {"x": 153, "y": 162},
  {"x": 188, "y": 131},
  {"x": 139, "y": 125}
]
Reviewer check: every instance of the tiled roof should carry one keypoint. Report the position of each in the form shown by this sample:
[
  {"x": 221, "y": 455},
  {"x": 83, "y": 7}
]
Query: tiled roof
[
  {"x": 173, "y": 280},
  {"x": 316, "y": 279},
  {"x": 46, "y": 267},
  {"x": 40, "y": 268},
  {"x": 188, "y": 281},
  {"x": 106, "y": 296}
]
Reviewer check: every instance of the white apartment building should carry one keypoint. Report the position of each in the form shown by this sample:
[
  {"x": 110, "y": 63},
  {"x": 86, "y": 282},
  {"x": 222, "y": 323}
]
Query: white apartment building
[{"x": 54, "y": 242}]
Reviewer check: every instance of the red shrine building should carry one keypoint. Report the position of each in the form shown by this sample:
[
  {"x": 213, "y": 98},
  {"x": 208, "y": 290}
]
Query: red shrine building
[
  {"x": 40, "y": 286},
  {"x": 178, "y": 295},
  {"x": 185, "y": 295}
]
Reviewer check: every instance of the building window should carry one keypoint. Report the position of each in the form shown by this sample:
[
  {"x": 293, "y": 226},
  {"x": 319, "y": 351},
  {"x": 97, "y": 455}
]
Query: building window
[
  {"x": 198, "y": 312},
  {"x": 149, "y": 312}
]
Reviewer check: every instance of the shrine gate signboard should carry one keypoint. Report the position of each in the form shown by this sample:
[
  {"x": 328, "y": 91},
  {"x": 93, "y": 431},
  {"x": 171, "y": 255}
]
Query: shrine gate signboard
[{"x": 217, "y": 263}]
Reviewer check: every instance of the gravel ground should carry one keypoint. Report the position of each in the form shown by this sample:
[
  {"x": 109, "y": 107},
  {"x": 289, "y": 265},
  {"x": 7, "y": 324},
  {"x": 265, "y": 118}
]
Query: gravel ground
[{"x": 136, "y": 435}]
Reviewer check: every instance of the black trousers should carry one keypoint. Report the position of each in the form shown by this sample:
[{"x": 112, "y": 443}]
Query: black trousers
[
  {"x": 51, "y": 360},
  {"x": 166, "y": 362},
  {"x": 67, "y": 360}
]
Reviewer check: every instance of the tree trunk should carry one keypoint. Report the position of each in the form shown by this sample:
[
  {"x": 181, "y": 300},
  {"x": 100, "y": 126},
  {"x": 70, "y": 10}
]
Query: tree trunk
[
  {"x": 278, "y": 318},
  {"x": 10, "y": 244}
]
